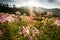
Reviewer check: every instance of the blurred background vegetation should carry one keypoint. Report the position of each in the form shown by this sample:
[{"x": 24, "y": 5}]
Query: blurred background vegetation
[{"x": 39, "y": 11}]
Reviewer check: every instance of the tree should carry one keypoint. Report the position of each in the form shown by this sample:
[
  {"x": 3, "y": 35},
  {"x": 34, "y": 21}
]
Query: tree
[{"x": 14, "y": 6}]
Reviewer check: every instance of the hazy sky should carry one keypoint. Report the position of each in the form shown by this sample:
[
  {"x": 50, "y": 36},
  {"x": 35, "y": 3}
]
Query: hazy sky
[{"x": 36, "y": 3}]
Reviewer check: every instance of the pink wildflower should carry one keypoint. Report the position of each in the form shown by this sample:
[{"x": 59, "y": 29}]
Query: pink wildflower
[
  {"x": 30, "y": 38},
  {"x": 49, "y": 13},
  {"x": 2, "y": 19},
  {"x": 10, "y": 19},
  {"x": 1, "y": 32},
  {"x": 57, "y": 22},
  {"x": 26, "y": 31},
  {"x": 30, "y": 18},
  {"x": 36, "y": 31},
  {"x": 17, "y": 12}
]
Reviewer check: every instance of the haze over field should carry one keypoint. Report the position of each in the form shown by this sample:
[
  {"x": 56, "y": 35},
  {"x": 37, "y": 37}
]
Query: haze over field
[{"x": 35, "y": 3}]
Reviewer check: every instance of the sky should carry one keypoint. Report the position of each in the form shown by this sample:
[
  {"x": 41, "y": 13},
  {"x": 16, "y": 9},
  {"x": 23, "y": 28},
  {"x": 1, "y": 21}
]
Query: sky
[{"x": 36, "y": 3}]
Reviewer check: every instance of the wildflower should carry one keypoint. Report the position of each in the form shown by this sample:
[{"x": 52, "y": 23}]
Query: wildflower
[
  {"x": 30, "y": 38},
  {"x": 57, "y": 22},
  {"x": 24, "y": 14},
  {"x": 49, "y": 13},
  {"x": 36, "y": 32},
  {"x": 10, "y": 19},
  {"x": 33, "y": 35},
  {"x": 2, "y": 19},
  {"x": 19, "y": 32},
  {"x": 1, "y": 32},
  {"x": 30, "y": 18},
  {"x": 26, "y": 31},
  {"x": 21, "y": 16},
  {"x": 17, "y": 12}
]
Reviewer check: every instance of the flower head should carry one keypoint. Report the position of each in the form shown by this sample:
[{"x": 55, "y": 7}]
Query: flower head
[
  {"x": 2, "y": 19},
  {"x": 57, "y": 22},
  {"x": 30, "y": 18},
  {"x": 26, "y": 31},
  {"x": 36, "y": 31},
  {"x": 30, "y": 38},
  {"x": 1, "y": 32},
  {"x": 17, "y": 12},
  {"x": 10, "y": 19}
]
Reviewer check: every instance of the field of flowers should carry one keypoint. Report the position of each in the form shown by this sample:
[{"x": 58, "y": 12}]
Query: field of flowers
[{"x": 22, "y": 27}]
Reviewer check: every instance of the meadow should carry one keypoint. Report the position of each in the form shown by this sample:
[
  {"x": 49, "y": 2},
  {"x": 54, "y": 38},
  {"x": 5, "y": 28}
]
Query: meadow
[{"x": 23, "y": 27}]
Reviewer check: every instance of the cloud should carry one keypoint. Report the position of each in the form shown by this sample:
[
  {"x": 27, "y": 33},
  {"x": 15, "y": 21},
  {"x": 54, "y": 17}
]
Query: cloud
[
  {"x": 39, "y": 3},
  {"x": 58, "y": 1},
  {"x": 5, "y": 0}
]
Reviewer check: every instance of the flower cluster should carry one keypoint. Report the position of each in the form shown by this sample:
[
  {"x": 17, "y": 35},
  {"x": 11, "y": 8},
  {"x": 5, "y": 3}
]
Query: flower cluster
[
  {"x": 57, "y": 22},
  {"x": 36, "y": 31},
  {"x": 10, "y": 19},
  {"x": 2, "y": 19},
  {"x": 27, "y": 31},
  {"x": 17, "y": 12},
  {"x": 23, "y": 27},
  {"x": 30, "y": 18},
  {"x": 6, "y": 18}
]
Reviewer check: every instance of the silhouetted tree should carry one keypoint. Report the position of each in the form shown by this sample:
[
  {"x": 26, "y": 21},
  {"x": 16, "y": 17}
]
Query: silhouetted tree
[{"x": 14, "y": 6}]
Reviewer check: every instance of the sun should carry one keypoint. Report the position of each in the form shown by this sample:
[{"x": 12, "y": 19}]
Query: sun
[{"x": 32, "y": 3}]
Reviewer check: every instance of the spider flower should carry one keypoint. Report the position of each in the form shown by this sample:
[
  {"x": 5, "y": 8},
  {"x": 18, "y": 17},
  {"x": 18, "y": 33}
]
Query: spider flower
[
  {"x": 10, "y": 19},
  {"x": 2, "y": 19},
  {"x": 36, "y": 31},
  {"x": 57, "y": 22},
  {"x": 26, "y": 31},
  {"x": 30, "y": 38}
]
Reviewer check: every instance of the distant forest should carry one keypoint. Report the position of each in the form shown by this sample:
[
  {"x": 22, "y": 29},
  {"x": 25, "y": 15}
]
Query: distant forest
[{"x": 5, "y": 8}]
